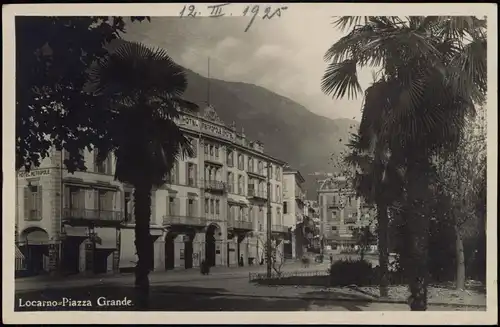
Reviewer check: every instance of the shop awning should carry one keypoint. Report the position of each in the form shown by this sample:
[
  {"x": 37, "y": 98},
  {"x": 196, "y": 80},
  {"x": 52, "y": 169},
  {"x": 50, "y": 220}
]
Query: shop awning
[{"x": 20, "y": 260}]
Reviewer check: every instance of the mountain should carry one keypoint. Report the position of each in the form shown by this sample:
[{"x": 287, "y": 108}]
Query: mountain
[{"x": 288, "y": 130}]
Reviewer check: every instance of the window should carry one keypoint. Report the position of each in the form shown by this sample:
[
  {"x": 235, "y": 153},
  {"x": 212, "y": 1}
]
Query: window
[
  {"x": 194, "y": 147},
  {"x": 230, "y": 158},
  {"x": 217, "y": 207},
  {"x": 278, "y": 173},
  {"x": 230, "y": 182},
  {"x": 206, "y": 149},
  {"x": 261, "y": 168},
  {"x": 250, "y": 164},
  {"x": 349, "y": 200},
  {"x": 216, "y": 151},
  {"x": 212, "y": 205},
  {"x": 351, "y": 228},
  {"x": 240, "y": 162},
  {"x": 211, "y": 150},
  {"x": 191, "y": 174},
  {"x": 278, "y": 194},
  {"x": 285, "y": 207},
  {"x": 334, "y": 228},
  {"x": 334, "y": 214},
  {"x": 229, "y": 212},
  {"x": 171, "y": 205},
  {"x": 172, "y": 176},
  {"x": 207, "y": 206},
  {"x": 278, "y": 216},
  {"x": 240, "y": 185},
  {"x": 190, "y": 208}
]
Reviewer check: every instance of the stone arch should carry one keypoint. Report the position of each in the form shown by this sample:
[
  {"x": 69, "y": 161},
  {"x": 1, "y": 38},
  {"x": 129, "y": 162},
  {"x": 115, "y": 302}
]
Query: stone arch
[
  {"x": 213, "y": 233},
  {"x": 35, "y": 236}
]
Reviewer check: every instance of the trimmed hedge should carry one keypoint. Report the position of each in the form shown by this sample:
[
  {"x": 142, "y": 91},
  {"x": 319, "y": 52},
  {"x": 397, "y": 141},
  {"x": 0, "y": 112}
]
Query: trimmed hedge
[{"x": 347, "y": 272}]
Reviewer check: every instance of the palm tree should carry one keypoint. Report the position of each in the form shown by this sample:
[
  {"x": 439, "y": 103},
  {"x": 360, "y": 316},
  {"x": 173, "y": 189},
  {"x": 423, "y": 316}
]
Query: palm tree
[
  {"x": 432, "y": 73},
  {"x": 141, "y": 90},
  {"x": 378, "y": 181}
]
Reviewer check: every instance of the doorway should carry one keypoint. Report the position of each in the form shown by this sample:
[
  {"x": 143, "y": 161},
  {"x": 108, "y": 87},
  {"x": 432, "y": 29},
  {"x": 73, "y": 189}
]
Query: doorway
[
  {"x": 169, "y": 252},
  {"x": 188, "y": 253},
  {"x": 210, "y": 245}
]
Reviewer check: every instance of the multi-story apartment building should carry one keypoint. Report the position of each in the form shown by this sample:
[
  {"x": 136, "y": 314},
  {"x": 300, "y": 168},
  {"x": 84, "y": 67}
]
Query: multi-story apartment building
[
  {"x": 341, "y": 211},
  {"x": 293, "y": 211},
  {"x": 213, "y": 208}
]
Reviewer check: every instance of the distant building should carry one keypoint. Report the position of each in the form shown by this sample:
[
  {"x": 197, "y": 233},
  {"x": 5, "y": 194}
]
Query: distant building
[
  {"x": 293, "y": 212},
  {"x": 341, "y": 211},
  {"x": 214, "y": 207}
]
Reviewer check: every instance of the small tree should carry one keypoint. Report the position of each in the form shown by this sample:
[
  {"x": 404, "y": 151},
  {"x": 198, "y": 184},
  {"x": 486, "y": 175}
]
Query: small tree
[
  {"x": 364, "y": 239},
  {"x": 277, "y": 256}
]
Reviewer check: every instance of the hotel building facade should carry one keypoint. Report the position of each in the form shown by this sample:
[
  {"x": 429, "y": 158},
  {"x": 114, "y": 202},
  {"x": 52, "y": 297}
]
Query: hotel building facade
[
  {"x": 341, "y": 211},
  {"x": 213, "y": 208},
  {"x": 294, "y": 212}
]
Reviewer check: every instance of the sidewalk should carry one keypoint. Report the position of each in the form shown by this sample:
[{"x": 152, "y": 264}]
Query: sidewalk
[{"x": 158, "y": 277}]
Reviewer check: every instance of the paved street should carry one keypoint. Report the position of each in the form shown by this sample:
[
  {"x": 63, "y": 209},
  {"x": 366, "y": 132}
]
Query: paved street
[{"x": 226, "y": 289}]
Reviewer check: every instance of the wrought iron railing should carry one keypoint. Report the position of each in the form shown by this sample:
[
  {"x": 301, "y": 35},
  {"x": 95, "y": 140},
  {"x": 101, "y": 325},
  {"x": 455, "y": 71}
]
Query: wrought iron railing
[
  {"x": 279, "y": 228},
  {"x": 214, "y": 185},
  {"x": 284, "y": 274},
  {"x": 34, "y": 215},
  {"x": 238, "y": 224},
  {"x": 256, "y": 194},
  {"x": 184, "y": 220},
  {"x": 92, "y": 214}
]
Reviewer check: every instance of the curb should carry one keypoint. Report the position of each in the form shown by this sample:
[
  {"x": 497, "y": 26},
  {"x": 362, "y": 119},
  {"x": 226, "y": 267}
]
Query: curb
[{"x": 309, "y": 298}]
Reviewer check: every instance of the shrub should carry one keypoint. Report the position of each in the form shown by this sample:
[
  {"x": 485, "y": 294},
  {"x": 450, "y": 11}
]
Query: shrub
[{"x": 347, "y": 272}]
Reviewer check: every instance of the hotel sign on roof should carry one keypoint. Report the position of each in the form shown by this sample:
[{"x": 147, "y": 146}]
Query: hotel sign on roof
[{"x": 205, "y": 126}]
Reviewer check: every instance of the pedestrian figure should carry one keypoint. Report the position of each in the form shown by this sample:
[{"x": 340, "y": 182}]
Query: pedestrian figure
[
  {"x": 204, "y": 268},
  {"x": 241, "y": 261},
  {"x": 331, "y": 258}
]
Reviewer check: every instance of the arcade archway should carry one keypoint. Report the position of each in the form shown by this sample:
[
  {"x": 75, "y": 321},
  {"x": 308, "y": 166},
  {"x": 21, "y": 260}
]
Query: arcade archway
[{"x": 211, "y": 237}]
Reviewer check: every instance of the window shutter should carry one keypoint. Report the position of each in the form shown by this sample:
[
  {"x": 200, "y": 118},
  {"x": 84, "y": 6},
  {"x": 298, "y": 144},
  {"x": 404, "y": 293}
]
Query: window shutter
[
  {"x": 177, "y": 207},
  {"x": 67, "y": 199},
  {"x": 27, "y": 203},
  {"x": 195, "y": 173},
  {"x": 153, "y": 207},
  {"x": 95, "y": 160},
  {"x": 195, "y": 210},
  {"x": 177, "y": 173},
  {"x": 39, "y": 199},
  {"x": 186, "y": 174},
  {"x": 188, "y": 212},
  {"x": 167, "y": 205},
  {"x": 96, "y": 199},
  {"x": 195, "y": 147}
]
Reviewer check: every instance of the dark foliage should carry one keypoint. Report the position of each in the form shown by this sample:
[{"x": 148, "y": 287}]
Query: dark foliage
[{"x": 347, "y": 272}]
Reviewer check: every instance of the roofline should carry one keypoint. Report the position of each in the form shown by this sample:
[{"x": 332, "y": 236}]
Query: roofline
[{"x": 295, "y": 172}]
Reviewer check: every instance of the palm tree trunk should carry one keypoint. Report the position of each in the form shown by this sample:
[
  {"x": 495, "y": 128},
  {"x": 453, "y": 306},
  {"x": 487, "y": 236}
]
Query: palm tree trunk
[
  {"x": 383, "y": 251},
  {"x": 418, "y": 223},
  {"x": 459, "y": 248},
  {"x": 142, "y": 211}
]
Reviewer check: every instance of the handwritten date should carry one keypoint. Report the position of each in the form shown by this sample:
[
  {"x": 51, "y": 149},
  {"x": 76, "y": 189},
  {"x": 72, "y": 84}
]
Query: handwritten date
[{"x": 219, "y": 10}]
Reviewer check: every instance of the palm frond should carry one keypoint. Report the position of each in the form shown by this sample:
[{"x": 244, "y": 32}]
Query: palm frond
[{"x": 341, "y": 78}]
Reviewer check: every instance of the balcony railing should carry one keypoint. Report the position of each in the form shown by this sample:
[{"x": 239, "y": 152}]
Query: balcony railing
[
  {"x": 213, "y": 185},
  {"x": 279, "y": 228},
  {"x": 213, "y": 158},
  {"x": 184, "y": 220},
  {"x": 256, "y": 173},
  {"x": 92, "y": 214},
  {"x": 351, "y": 220},
  {"x": 238, "y": 224},
  {"x": 253, "y": 193},
  {"x": 34, "y": 215}
]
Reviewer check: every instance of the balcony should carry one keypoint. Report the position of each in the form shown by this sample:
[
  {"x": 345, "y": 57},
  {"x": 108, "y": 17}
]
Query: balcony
[
  {"x": 178, "y": 220},
  {"x": 34, "y": 215},
  {"x": 279, "y": 229},
  {"x": 258, "y": 174},
  {"x": 215, "y": 186},
  {"x": 351, "y": 220},
  {"x": 241, "y": 225},
  {"x": 95, "y": 215},
  {"x": 255, "y": 194},
  {"x": 217, "y": 160}
]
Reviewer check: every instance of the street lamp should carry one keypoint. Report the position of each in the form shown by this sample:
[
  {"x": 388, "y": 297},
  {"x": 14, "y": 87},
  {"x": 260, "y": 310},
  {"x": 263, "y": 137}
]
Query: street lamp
[{"x": 269, "y": 225}]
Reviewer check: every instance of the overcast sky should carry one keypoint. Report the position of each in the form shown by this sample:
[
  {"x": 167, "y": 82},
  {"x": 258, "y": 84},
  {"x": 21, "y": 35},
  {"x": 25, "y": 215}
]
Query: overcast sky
[{"x": 284, "y": 55}]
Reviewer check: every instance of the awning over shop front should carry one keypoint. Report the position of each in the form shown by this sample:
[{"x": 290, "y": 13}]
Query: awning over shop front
[
  {"x": 241, "y": 203},
  {"x": 20, "y": 260}
]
